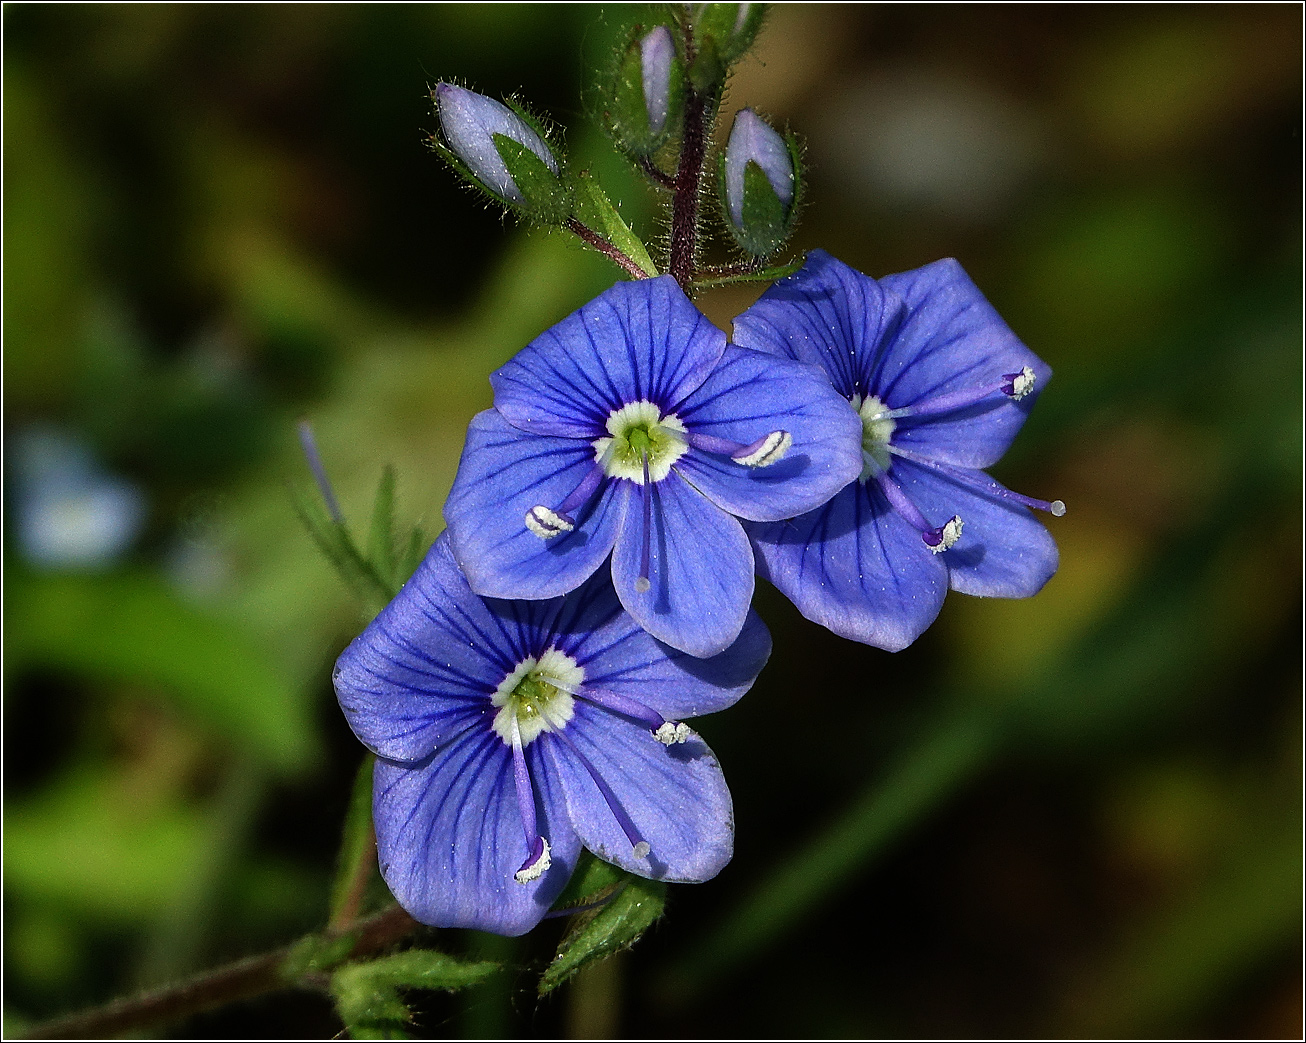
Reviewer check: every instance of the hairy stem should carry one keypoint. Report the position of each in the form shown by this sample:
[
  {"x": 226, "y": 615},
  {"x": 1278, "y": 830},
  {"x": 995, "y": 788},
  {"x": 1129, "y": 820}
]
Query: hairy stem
[
  {"x": 656, "y": 173},
  {"x": 243, "y": 979},
  {"x": 684, "y": 207},
  {"x": 605, "y": 247}
]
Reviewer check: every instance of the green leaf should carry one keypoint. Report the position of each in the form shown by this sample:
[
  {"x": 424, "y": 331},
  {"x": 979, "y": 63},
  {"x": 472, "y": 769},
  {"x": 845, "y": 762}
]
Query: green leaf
[
  {"x": 418, "y": 544},
  {"x": 769, "y": 274},
  {"x": 381, "y": 538},
  {"x": 618, "y": 925},
  {"x": 367, "y": 993},
  {"x": 596, "y": 210},
  {"x": 357, "y": 849},
  {"x": 334, "y": 541}
]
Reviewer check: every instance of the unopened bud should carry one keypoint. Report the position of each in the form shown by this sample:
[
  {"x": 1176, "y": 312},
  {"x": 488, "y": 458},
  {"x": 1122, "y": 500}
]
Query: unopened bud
[
  {"x": 471, "y": 123},
  {"x": 759, "y": 184},
  {"x": 649, "y": 93},
  {"x": 729, "y": 29}
]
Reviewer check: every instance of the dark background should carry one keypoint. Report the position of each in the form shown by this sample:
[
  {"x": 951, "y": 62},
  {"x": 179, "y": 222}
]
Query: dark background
[{"x": 1075, "y": 815}]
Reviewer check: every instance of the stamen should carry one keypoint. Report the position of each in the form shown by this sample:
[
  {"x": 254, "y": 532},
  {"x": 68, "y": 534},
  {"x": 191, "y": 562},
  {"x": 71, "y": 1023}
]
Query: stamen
[
  {"x": 1014, "y": 385},
  {"x": 937, "y": 539},
  {"x": 1018, "y": 385},
  {"x": 940, "y": 539},
  {"x": 314, "y": 458},
  {"x": 537, "y": 859},
  {"x": 639, "y": 846},
  {"x": 980, "y": 480},
  {"x": 666, "y": 732},
  {"x": 767, "y": 450},
  {"x": 646, "y": 490},
  {"x": 546, "y": 522}
]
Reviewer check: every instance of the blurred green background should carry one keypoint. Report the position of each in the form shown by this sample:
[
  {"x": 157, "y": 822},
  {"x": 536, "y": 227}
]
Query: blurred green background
[{"x": 1074, "y": 815}]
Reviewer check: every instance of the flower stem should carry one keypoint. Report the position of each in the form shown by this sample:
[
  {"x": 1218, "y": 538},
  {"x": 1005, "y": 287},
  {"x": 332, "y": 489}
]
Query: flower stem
[
  {"x": 684, "y": 207},
  {"x": 605, "y": 247},
  {"x": 243, "y": 979},
  {"x": 656, "y": 174}
]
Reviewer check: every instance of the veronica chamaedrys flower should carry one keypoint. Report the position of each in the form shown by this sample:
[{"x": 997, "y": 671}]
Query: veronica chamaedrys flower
[
  {"x": 631, "y": 428},
  {"x": 511, "y": 734},
  {"x": 759, "y": 182},
  {"x": 469, "y": 122},
  {"x": 941, "y": 386}
]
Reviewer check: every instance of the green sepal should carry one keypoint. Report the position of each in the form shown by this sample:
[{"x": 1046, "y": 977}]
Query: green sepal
[
  {"x": 356, "y": 846},
  {"x": 595, "y": 209},
  {"x": 768, "y": 274},
  {"x": 367, "y": 993},
  {"x": 591, "y": 881},
  {"x": 767, "y": 222},
  {"x": 634, "y": 907},
  {"x": 546, "y": 196},
  {"x": 627, "y": 113},
  {"x": 707, "y": 71},
  {"x": 720, "y": 25}
]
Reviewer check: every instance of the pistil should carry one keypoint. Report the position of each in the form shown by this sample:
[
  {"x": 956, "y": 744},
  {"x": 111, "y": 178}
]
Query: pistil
[
  {"x": 963, "y": 476},
  {"x": 639, "y": 846},
  {"x": 646, "y": 492}
]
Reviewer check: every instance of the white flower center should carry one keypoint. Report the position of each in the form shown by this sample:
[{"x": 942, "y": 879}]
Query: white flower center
[
  {"x": 639, "y": 430},
  {"x": 535, "y": 695},
  {"x": 877, "y": 429}
]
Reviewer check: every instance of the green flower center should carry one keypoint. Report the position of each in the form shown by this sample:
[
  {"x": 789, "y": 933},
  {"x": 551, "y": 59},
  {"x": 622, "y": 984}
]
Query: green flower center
[
  {"x": 877, "y": 429},
  {"x": 534, "y": 696},
  {"x": 637, "y": 432}
]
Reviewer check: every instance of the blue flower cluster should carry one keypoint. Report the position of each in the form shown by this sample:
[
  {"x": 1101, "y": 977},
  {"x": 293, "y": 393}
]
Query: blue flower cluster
[{"x": 527, "y": 690}]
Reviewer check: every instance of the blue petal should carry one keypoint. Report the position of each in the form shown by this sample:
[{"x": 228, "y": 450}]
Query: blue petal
[
  {"x": 504, "y": 472},
  {"x": 676, "y": 796},
  {"x": 855, "y": 567},
  {"x": 424, "y": 669},
  {"x": 1004, "y": 551},
  {"x": 449, "y": 836},
  {"x": 638, "y": 340},
  {"x": 700, "y": 568},
  {"x": 826, "y": 314},
  {"x": 951, "y": 340},
  {"x": 617, "y": 654},
  {"x": 751, "y": 394}
]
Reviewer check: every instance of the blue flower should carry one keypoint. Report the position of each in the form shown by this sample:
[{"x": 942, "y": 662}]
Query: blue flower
[
  {"x": 509, "y": 734},
  {"x": 941, "y": 386},
  {"x": 631, "y": 428}
]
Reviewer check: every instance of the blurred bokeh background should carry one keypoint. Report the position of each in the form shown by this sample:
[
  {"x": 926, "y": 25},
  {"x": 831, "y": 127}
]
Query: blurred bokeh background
[{"x": 1074, "y": 815}]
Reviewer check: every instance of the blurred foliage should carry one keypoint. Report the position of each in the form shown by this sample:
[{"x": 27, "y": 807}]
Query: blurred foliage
[{"x": 1075, "y": 815}]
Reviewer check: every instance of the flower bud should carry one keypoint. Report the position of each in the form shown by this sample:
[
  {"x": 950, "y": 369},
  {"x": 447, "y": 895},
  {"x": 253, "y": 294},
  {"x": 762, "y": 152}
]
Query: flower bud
[
  {"x": 520, "y": 169},
  {"x": 649, "y": 93},
  {"x": 759, "y": 182},
  {"x": 728, "y": 30}
]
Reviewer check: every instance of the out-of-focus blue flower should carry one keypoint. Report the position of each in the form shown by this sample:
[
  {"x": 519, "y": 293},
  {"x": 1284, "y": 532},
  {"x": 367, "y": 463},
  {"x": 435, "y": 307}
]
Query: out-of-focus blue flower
[
  {"x": 469, "y": 122},
  {"x": 753, "y": 141},
  {"x": 941, "y": 386},
  {"x": 631, "y": 428},
  {"x": 511, "y": 734},
  {"x": 70, "y": 512}
]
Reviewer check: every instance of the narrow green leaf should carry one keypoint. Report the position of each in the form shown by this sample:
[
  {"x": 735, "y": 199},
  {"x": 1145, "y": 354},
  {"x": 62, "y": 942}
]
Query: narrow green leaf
[
  {"x": 597, "y": 211},
  {"x": 335, "y": 543},
  {"x": 367, "y": 993},
  {"x": 357, "y": 848},
  {"x": 618, "y": 925},
  {"x": 381, "y": 538},
  {"x": 771, "y": 274},
  {"x": 418, "y": 544}
]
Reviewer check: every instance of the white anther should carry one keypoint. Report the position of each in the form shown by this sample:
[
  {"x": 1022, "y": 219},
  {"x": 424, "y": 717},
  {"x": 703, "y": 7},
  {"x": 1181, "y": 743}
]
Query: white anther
[
  {"x": 546, "y": 523},
  {"x": 1022, "y": 383},
  {"x": 1058, "y": 508},
  {"x": 535, "y": 869},
  {"x": 773, "y": 448},
  {"x": 951, "y": 534},
  {"x": 641, "y": 849},
  {"x": 672, "y": 732}
]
